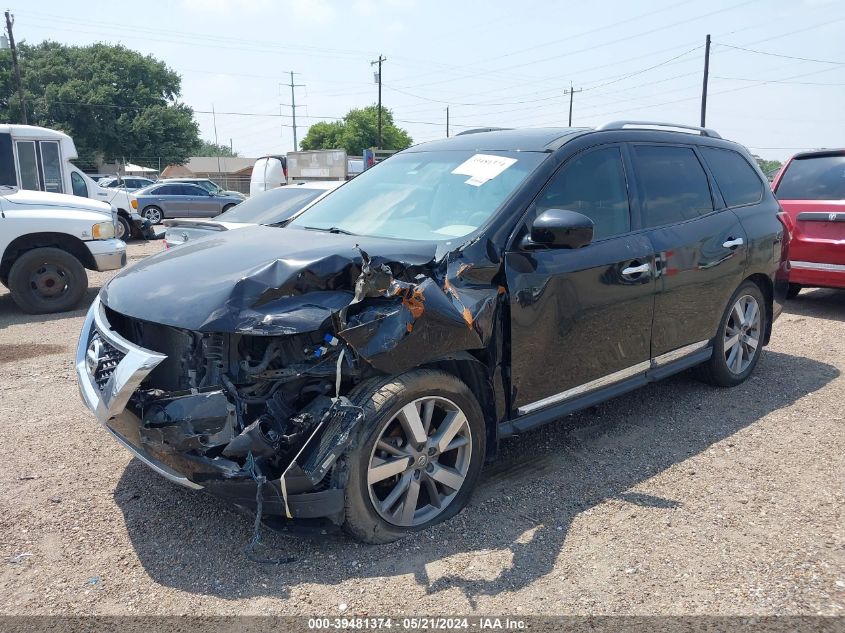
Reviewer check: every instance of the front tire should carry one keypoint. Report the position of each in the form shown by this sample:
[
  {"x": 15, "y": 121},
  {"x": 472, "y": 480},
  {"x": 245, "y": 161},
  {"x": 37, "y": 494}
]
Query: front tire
[
  {"x": 739, "y": 341},
  {"x": 418, "y": 455},
  {"x": 124, "y": 230},
  {"x": 227, "y": 207},
  {"x": 46, "y": 280}
]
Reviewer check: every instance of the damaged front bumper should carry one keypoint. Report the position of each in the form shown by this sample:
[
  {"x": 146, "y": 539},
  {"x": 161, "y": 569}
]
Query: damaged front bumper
[{"x": 110, "y": 369}]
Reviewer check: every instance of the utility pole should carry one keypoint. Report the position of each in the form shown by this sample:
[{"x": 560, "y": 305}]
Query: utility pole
[
  {"x": 293, "y": 107},
  {"x": 706, "y": 76},
  {"x": 447, "y": 121},
  {"x": 214, "y": 120},
  {"x": 378, "y": 79},
  {"x": 571, "y": 92},
  {"x": 10, "y": 20}
]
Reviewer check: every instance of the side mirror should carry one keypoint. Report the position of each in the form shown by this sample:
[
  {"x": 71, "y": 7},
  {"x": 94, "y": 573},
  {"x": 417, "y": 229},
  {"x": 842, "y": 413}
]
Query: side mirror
[{"x": 561, "y": 228}]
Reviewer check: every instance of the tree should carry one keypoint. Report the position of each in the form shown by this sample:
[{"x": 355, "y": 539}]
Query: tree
[
  {"x": 768, "y": 166},
  {"x": 116, "y": 103},
  {"x": 207, "y": 148},
  {"x": 356, "y": 132}
]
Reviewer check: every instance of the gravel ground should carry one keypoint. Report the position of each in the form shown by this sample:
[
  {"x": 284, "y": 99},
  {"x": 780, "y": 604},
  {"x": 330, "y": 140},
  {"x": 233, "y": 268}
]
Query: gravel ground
[{"x": 677, "y": 499}]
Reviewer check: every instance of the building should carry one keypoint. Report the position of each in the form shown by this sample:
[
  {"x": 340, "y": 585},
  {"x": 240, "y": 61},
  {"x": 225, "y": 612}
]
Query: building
[{"x": 230, "y": 173}]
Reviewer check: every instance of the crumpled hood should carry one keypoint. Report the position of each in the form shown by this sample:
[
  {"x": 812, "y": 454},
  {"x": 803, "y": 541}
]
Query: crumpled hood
[{"x": 261, "y": 280}]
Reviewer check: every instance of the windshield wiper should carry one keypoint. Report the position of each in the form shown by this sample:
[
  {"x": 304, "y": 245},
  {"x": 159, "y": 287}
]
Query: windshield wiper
[{"x": 333, "y": 229}]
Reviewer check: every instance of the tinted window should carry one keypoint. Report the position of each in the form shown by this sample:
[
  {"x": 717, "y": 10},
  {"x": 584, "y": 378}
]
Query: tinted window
[
  {"x": 673, "y": 185},
  {"x": 593, "y": 184},
  {"x": 164, "y": 190},
  {"x": 78, "y": 185},
  {"x": 737, "y": 180},
  {"x": 191, "y": 190},
  {"x": 270, "y": 207},
  {"x": 813, "y": 178},
  {"x": 8, "y": 175}
]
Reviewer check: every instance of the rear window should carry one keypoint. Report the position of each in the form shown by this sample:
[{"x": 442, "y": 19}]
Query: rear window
[
  {"x": 737, "y": 180},
  {"x": 813, "y": 178}
]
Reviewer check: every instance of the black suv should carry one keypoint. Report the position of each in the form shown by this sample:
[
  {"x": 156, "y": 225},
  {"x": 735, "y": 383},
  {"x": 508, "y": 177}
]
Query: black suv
[{"x": 361, "y": 362}]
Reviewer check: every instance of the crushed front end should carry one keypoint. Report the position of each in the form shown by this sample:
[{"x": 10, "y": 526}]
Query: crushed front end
[{"x": 222, "y": 411}]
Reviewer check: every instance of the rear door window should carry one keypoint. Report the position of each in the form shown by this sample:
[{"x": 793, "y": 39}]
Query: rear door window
[
  {"x": 673, "y": 184},
  {"x": 737, "y": 180},
  {"x": 813, "y": 178}
]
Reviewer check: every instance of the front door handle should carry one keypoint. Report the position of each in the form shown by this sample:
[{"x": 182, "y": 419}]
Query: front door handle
[
  {"x": 634, "y": 270},
  {"x": 734, "y": 242}
]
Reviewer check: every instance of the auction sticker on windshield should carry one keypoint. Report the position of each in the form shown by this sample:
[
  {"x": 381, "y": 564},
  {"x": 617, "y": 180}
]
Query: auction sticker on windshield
[{"x": 483, "y": 167}]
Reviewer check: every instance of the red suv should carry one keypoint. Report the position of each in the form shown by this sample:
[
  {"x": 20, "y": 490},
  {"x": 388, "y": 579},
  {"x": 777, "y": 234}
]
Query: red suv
[{"x": 811, "y": 189}]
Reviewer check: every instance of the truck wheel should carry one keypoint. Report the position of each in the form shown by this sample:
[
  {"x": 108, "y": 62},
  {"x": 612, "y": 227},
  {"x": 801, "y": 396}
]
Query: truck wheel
[
  {"x": 47, "y": 280},
  {"x": 418, "y": 455},
  {"x": 153, "y": 214},
  {"x": 739, "y": 341},
  {"x": 793, "y": 291},
  {"x": 124, "y": 230}
]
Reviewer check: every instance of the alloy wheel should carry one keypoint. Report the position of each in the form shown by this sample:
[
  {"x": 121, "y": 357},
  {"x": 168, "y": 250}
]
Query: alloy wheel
[
  {"x": 153, "y": 215},
  {"x": 742, "y": 334},
  {"x": 420, "y": 461}
]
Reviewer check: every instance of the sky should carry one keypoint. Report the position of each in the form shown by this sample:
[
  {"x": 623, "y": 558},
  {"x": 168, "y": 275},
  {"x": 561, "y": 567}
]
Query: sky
[{"x": 777, "y": 67}]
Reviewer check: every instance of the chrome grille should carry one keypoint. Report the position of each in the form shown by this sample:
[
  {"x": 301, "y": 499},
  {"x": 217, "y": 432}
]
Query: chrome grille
[{"x": 109, "y": 357}]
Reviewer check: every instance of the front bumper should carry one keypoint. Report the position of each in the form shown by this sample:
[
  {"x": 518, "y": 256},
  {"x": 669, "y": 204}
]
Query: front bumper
[
  {"x": 108, "y": 395},
  {"x": 108, "y": 254}
]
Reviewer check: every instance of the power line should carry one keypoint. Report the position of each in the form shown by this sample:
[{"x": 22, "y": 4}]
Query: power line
[
  {"x": 803, "y": 59},
  {"x": 777, "y": 81}
]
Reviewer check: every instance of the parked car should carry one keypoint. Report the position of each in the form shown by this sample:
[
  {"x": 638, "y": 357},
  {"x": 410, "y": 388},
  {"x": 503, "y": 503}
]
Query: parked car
[
  {"x": 367, "y": 358},
  {"x": 180, "y": 200},
  {"x": 811, "y": 189},
  {"x": 47, "y": 240},
  {"x": 208, "y": 185},
  {"x": 271, "y": 207},
  {"x": 130, "y": 183},
  {"x": 40, "y": 159}
]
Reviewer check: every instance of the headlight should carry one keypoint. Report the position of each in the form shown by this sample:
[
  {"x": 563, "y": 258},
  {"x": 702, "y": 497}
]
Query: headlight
[
  {"x": 134, "y": 203},
  {"x": 102, "y": 231}
]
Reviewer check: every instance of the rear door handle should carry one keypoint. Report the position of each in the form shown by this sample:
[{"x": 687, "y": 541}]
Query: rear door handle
[
  {"x": 734, "y": 242},
  {"x": 634, "y": 270}
]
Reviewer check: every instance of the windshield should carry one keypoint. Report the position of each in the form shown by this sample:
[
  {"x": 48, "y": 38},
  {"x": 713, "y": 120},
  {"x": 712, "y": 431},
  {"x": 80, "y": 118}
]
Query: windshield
[
  {"x": 271, "y": 207},
  {"x": 423, "y": 195},
  {"x": 813, "y": 178}
]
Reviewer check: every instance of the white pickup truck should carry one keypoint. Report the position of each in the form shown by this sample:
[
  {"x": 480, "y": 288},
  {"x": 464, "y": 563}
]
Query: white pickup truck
[{"x": 47, "y": 240}]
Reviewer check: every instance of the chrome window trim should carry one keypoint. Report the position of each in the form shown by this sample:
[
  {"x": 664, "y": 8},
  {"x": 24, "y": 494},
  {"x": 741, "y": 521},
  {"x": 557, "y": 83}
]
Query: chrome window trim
[
  {"x": 818, "y": 266},
  {"x": 618, "y": 376}
]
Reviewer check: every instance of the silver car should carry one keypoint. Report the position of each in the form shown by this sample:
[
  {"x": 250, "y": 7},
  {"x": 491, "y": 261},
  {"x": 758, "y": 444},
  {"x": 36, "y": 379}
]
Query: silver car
[{"x": 180, "y": 200}]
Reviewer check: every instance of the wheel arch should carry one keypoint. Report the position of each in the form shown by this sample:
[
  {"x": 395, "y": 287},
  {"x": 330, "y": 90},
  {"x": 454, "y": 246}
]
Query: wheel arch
[
  {"x": 65, "y": 242},
  {"x": 475, "y": 375},
  {"x": 764, "y": 283}
]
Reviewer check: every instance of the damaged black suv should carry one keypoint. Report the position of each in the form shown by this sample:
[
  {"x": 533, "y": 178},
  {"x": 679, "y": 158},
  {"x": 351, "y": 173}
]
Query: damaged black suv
[{"x": 362, "y": 362}]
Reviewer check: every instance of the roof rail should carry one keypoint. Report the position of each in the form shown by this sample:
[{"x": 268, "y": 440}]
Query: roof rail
[
  {"x": 483, "y": 129},
  {"x": 619, "y": 125}
]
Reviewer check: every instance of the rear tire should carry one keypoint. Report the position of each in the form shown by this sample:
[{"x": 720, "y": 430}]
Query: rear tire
[
  {"x": 153, "y": 214},
  {"x": 46, "y": 280},
  {"x": 793, "y": 291},
  {"x": 739, "y": 341},
  {"x": 455, "y": 419}
]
